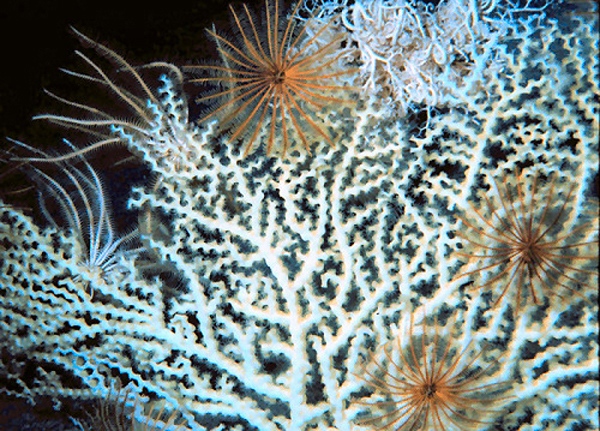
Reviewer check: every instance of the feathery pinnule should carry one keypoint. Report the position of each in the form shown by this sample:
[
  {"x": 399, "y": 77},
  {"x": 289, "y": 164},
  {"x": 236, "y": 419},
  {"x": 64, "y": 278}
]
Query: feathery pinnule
[{"x": 117, "y": 412}]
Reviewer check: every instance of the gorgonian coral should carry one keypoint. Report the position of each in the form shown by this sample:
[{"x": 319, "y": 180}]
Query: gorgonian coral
[{"x": 283, "y": 273}]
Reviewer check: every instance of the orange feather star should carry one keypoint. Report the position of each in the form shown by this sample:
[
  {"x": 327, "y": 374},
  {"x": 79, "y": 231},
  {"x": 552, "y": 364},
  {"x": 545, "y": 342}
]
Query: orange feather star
[
  {"x": 431, "y": 385},
  {"x": 271, "y": 77},
  {"x": 521, "y": 241}
]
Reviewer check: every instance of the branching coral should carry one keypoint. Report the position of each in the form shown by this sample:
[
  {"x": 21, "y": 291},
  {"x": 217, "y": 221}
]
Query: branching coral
[{"x": 284, "y": 273}]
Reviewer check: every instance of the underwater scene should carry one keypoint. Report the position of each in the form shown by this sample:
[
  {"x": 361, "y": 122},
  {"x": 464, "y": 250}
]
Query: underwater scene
[{"x": 356, "y": 215}]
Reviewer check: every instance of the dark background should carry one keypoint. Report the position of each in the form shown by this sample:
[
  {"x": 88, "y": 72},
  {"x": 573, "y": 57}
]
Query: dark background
[{"x": 35, "y": 41}]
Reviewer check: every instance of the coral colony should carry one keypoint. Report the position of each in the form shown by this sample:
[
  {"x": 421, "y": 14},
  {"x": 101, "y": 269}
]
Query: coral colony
[{"x": 385, "y": 218}]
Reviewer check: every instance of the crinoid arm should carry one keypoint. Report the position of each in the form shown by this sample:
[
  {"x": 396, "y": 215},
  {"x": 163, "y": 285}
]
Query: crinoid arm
[
  {"x": 122, "y": 410},
  {"x": 128, "y": 86},
  {"x": 78, "y": 193}
]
